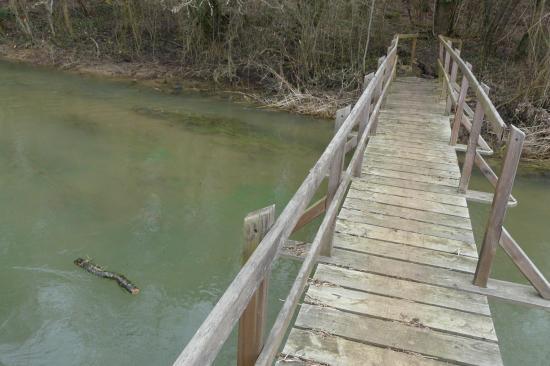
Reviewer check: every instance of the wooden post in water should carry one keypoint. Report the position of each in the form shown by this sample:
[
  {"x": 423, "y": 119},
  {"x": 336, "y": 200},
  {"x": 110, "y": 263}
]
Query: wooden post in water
[
  {"x": 452, "y": 80},
  {"x": 252, "y": 321},
  {"x": 335, "y": 175},
  {"x": 470, "y": 156},
  {"x": 503, "y": 190},
  {"x": 460, "y": 108}
]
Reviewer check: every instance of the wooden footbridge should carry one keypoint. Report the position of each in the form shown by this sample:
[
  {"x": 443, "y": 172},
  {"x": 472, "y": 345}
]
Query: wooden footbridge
[{"x": 392, "y": 276}]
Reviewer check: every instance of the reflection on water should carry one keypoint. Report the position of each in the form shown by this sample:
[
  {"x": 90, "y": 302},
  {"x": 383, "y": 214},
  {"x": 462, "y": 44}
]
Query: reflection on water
[{"x": 149, "y": 185}]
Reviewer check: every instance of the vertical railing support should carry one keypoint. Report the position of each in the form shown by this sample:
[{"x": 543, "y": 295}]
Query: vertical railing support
[
  {"x": 447, "y": 61},
  {"x": 470, "y": 156},
  {"x": 363, "y": 124},
  {"x": 445, "y": 71},
  {"x": 503, "y": 190},
  {"x": 378, "y": 91},
  {"x": 335, "y": 176},
  {"x": 252, "y": 321},
  {"x": 460, "y": 108},
  {"x": 452, "y": 80}
]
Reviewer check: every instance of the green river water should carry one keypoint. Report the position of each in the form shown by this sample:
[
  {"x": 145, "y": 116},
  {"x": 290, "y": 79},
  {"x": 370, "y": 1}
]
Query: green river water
[{"x": 155, "y": 186}]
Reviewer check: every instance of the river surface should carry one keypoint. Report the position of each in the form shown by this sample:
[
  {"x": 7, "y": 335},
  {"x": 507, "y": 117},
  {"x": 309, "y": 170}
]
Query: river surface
[{"x": 156, "y": 186}]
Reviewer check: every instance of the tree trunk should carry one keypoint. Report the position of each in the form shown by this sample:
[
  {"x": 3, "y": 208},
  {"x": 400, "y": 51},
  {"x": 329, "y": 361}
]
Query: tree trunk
[
  {"x": 444, "y": 16},
  {"x": 368, "y": 36}
]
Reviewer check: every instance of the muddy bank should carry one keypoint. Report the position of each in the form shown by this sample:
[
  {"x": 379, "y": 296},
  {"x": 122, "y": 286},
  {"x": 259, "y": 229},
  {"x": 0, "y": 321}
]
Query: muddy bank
[{"x": 174, "y": 78}]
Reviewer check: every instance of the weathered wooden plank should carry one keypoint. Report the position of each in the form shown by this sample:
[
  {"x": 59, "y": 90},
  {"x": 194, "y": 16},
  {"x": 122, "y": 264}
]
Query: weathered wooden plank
[
  {"x": 418, "y": 116},
  {"x": 412, "y": 116},
  {"x": 419, "y": 121},
  {"x": 398, "y": 336},
  {"x": 412, "y": 169},
  {"x": 416, "y": 214},
  {"x": 438, "y": 137},
  {"x": 305, "y": 347},
  {"x": 394, "y": 222},
  {"x": 407, "y": 237},
  {"x": 432, "y": 135},
  {"x": 449, "y": 182},
  {"x": 410, "y": 155},
  {"x": 456, "y": 200},
  {"x": 409, "y": 140},
  {"x": 388, "y": 138},
  {"x": 394, "y": 287},
  {"x": 412, "y": 108},
  {"x": 507, "y": 291},
  {"x": 406, "y": 253},
  {"x": 403, "y": 183},
  {"x": 414, "y": 140},
  {"x": 408, "y": 312},
  {"x": 401, "y": 269},
  {"x": 413, "y": 203},
  {"x": 412, "y": 162},
  {"x": 419, "y": 98},
  {"x": 414, "y": 137}
]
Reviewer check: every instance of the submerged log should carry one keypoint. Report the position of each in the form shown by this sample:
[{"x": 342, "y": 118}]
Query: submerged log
[{"x": 122, "y": 281}]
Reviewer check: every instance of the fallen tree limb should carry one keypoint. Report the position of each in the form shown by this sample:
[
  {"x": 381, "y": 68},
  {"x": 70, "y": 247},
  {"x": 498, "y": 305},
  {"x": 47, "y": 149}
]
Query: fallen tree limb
[{"x": 98, "y": 271}]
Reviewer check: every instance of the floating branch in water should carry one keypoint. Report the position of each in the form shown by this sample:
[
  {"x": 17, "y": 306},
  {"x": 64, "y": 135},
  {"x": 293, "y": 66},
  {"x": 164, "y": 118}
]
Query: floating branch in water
[{"x": 98, "y": 271}]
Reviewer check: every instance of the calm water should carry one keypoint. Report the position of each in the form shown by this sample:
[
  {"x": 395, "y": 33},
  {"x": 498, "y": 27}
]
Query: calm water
[
  {"x": 149, "y": 185},
  {"x": 523, "y": 332},
  {"x": 156, "y": 187}
]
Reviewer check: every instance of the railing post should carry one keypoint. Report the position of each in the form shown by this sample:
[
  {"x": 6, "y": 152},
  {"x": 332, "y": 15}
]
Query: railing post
[
  {"x": 362, "y": 125},
  {"x": 470, "y": 156},
  {"x": 452, "y": 80},
  {"x": 335, "y": 176},
  {"x": 252, "y": 321},
  {"x": 503, "y": 190},
  {"x": 366, "y": 80},
  {"x": 460, "y": 108},
  {"x": 378, "y": 92},
  {"x": 447, "y": 61}
]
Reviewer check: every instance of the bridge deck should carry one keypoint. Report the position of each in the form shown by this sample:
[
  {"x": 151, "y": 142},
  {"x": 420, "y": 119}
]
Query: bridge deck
[{"x": 403, "y": 246}]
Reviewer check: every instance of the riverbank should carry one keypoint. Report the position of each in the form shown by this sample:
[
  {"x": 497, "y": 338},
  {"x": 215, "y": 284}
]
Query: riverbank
[{"x": 172, "y": 78}]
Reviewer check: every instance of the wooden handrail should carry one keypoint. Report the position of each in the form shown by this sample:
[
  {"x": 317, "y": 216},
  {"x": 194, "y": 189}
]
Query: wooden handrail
[
  {"x": 205, "y": 345},
  {"x": 495, "y": 233},
  {"x": 285, "y": 315},
  {"x": 503, "y": 190},
  {"x": 491, "y": 112}
]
